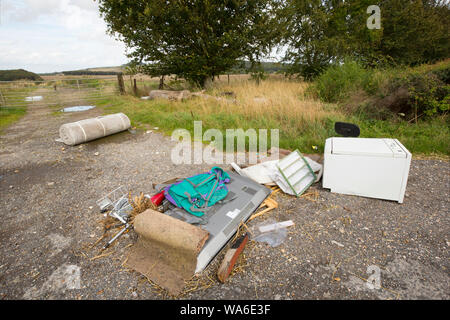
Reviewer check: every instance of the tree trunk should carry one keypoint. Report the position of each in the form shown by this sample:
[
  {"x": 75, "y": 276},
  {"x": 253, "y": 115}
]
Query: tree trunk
[{"x": 207, "y": 83}]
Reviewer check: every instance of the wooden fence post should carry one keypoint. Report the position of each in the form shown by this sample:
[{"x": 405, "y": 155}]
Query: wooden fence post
[
  {"x": 121, "y": 84},
  {"x": 2, "y": 100},
  {"x": 135, "y": 87}
]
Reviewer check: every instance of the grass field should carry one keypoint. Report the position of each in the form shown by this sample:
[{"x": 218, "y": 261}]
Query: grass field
[
  {"x": 12, "y": 112},
  {"x": 277, "y": 103},
  {"x": 9, "y": 116}
]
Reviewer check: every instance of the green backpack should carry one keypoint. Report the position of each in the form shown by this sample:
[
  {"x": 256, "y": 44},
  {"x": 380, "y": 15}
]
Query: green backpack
[{"x": 198, "y": 193}]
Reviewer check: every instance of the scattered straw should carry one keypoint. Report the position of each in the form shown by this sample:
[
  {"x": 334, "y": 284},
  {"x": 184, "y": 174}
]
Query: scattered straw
[
  {"x": 102, "y": 255},
  {"x": 140, "y": 204},
  {"x": 197, "y": 284},
  {"x": 98, "y": 241},
  {"x": 311, "y": 196}
]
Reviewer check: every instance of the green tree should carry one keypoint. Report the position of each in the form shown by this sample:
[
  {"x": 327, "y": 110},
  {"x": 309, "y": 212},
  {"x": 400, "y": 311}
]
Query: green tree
[
  {"x": 316, "y": 34},
  {"x": 322, "y": 32},
  {"x": 193, "y": 39},
  {"x": 416, "y": 31}
]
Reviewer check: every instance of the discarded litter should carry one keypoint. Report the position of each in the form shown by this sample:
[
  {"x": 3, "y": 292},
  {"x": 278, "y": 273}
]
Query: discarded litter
[
  {"x": 269, "y": 203},
  {"x": 260, "y": 172},
  {"x": 198, "y": 193},
  {"x": 271, "y": 232},
  {"x": 108, "y": 201},
  {"x": 120, "y": 208},
  {"x": 337, "y": 243},
  {"x": 157, "y": 198},
  {"x": 182, "y": 215},
  {"x": 94, "y": 128},
  {"x": 268, "y": 172},
  {"x": 275, "y": 226},
  {"x": 34, "y": 98},
  {"x": 231, "y": 257},
  {"x": 167, "y": 249},
  {"x": 77, "y": 108},
  {"x": 189, "y": 222},
  {"x": 174, "y": 243},
  {"x": 297, "y": 172},
  {"x": 347, "y": 129},
  {"x": 375, "y": 168}
]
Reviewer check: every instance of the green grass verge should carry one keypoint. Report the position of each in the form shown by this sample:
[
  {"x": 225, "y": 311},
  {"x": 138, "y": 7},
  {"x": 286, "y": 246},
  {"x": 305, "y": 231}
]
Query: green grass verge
[
  {"x": 10, "y": 115},
  {"x": 425, "y": 137}
]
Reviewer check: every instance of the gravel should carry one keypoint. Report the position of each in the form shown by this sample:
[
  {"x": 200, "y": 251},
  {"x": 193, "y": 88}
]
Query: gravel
[{"x": 50, "y": 221}]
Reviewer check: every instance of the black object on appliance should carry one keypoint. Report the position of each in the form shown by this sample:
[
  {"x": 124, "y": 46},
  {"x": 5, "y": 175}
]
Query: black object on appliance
[{"x": 347, "y": 129}]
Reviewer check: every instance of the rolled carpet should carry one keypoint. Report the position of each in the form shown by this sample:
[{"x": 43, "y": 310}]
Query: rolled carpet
[
  {"x": 89, "y": 129},
  {"x": 167, "y": 249}
]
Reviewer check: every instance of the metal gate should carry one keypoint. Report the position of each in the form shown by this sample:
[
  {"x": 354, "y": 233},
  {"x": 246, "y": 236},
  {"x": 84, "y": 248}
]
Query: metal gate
[{"x": 63, "y": 93}]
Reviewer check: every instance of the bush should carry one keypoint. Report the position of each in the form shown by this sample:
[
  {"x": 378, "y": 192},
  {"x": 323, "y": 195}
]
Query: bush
[
  {"x": 421, "y": 91},
  {"x": 428, "y": 95},
  {"x": 339, "y": 81},
  {"x": 428, "y": 92}
]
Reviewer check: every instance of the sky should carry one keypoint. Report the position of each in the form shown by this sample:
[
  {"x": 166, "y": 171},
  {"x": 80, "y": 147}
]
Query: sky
[{"x": 55, "y": 35}]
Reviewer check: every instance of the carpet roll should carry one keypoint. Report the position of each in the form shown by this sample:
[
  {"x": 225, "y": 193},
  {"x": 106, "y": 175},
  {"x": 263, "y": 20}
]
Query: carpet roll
[{"x": 89, "y": 129}]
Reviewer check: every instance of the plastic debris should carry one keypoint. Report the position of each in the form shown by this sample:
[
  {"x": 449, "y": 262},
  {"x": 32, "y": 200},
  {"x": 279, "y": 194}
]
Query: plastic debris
[
  {"x": 77, "y": 108},
  {"x": 271, "y": 232},
  {"x": 34, "y": 98},
  {"x": 267, "y": 173}
]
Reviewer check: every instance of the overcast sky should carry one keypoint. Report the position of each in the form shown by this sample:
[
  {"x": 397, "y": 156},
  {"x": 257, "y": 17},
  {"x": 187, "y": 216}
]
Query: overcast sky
[{"x": 55, "y": 35}]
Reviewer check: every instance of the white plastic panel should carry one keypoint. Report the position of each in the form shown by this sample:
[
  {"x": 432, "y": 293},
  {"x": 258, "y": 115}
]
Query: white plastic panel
[
  {"x": 296, "y": 172},
  {"x": 362, "y": 146}
]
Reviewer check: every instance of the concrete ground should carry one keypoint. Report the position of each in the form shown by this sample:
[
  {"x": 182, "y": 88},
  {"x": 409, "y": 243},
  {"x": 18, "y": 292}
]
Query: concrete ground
[{"x": 50, "y": 222}]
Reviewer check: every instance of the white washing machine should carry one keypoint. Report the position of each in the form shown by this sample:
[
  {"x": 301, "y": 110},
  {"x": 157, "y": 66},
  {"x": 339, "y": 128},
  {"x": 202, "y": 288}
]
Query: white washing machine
[{"x": 369, "y": 167}]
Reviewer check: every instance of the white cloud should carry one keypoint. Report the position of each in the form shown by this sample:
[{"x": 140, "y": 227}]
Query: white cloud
[{"x": 55, "y": 35}]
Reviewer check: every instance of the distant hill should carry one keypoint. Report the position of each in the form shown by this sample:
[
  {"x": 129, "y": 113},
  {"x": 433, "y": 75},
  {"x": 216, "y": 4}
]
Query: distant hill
[
  {"x": 240, "y": 68},
  {"x": 19, "y": 74},
  {"x": 101, "y": 71}
]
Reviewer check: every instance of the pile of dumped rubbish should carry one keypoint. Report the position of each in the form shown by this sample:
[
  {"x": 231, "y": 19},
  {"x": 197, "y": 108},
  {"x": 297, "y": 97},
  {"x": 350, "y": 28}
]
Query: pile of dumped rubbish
[{"x": 188, "y": 221}]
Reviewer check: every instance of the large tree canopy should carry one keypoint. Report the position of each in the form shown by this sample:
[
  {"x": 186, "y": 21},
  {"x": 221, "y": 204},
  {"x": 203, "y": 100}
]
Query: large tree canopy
[
  {"x": 194, "y": 39},
  {"x": 320, "y": 32}
]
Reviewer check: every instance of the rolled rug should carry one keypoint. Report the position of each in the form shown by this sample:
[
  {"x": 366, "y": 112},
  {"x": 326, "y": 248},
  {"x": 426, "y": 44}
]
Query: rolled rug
[
  {"x": 167, "y": 249},
  {"x": 89, "y": 129}
]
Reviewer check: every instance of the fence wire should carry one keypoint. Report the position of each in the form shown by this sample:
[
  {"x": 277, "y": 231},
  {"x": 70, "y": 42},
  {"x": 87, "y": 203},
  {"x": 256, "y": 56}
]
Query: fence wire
[{"x": 64, "y": 93}]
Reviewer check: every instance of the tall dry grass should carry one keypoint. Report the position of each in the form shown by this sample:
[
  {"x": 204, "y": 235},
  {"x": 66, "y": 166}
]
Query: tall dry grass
[{"x": 274, "y": 98}]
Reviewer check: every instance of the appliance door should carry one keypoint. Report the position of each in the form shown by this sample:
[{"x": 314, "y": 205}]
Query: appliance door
[{"x": 375, "y": 177}]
